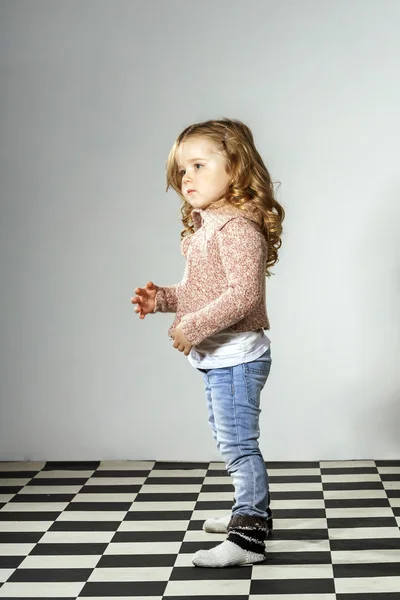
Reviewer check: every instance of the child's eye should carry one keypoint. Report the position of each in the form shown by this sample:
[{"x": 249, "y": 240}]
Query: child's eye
[{"x": 182, "y": 171}]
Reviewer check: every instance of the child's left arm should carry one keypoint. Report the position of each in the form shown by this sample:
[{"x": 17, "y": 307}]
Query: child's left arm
[{"x": 243, "y": 254}]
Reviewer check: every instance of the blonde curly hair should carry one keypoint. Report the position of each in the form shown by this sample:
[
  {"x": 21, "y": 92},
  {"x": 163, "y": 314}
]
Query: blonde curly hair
[{"x": 251, "y": 186}]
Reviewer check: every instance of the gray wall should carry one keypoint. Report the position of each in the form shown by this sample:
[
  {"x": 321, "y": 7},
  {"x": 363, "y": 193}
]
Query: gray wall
[{"x": 93, "y": 94}]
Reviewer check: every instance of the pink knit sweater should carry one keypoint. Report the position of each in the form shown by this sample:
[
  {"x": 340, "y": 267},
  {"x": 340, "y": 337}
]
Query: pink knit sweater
[{"x": 224, "y": 280}]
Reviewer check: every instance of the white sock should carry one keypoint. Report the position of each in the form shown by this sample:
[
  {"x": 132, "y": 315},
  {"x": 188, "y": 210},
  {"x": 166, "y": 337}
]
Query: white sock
[
  {"x": 226, "y": 554},
  {"x": 214, "y": 525}
]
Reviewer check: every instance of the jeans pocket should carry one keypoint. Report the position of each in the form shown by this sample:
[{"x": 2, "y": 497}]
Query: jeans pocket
[{"x": 256, "y": 375}]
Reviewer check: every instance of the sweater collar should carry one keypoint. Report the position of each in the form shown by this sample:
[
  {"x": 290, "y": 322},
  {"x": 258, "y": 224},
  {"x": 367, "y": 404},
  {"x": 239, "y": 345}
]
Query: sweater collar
[{"x": 218, "y": 213}]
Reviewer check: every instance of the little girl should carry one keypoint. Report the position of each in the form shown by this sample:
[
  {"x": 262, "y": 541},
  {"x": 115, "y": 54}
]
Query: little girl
[{"x": 231, "y": 237}]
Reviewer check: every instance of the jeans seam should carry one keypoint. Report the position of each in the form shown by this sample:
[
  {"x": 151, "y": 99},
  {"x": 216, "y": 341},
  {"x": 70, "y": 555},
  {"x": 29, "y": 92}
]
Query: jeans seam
[
  {"x": 254, "y": 483},
  {"x": 234, "y": 413},
  {"x": 245, "y": 377}
]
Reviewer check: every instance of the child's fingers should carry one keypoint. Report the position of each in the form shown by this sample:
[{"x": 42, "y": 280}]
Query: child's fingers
[
  {"x": 139, "y": 312},
  {"x": 140, "y": 291}
]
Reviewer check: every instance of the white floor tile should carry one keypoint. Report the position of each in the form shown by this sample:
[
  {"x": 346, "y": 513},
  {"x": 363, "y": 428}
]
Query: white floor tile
[
  {"x": 35, "y": 507},
  {"x": 143, "y": 548},
  {"x": 126, "y": 465},
  {"x": 203, "y": 536},
  {"x": 171, "y": 489},
  {"x": 223, "y": 587},
  {"x": 359, "y": 533},
  {"x": 366, "y": 556},
  {"x": 41, "y": 590},
  {"x": 164, "y": 506},
  {"x": 50, "y": 489},
  {"x": 76, "y": 537},
  {"x": 184, "y": 560},
  {"x": 109, "y": 497},
  {"x": 154, "y": 525},
  {"x": 71, "y": 561},
  {"x": 131, "y": 574},
  {"x": 294, "y": 472},
  {"x": 346, "y": 464},
  {"x": 296, "y": 487},
  {"x": 214, "y": 466},
  {"x": 178, "y": 473},
  {"x": 359, "y": 585},
  {"x": 353, "y": 494},
  {"x": 288, "y": 524},
  {"x": 14, "y": 482},
  {"x": 351, "y": 477},
  {"x": 128, "y": 598},
  {"x": 6, "y": 498},
  {"x": 296, "y": 504},
  {"x": 218, "y": 481},
  {"x": 391, "y": 485},
  {"x": 297, "y": 545},
  {"x": 215, "y": 497},
  {"x": 16, "y": 549},
  {"x": 292, "y": 597},
  {"x": 358, "y": 513},
  {"x": 64, "y": 474},
  {"x": 393, "y": 470},
  {"x": 91, "y": 515},
  {"x": 292, "y": 572},
  {"x": 5, "y": 574},
  {"x": 21, "y": 466},
  {"x": 116, "y": 481},
  {"x": 202, "y": 515},
  {"x": 30, "y": 526}
]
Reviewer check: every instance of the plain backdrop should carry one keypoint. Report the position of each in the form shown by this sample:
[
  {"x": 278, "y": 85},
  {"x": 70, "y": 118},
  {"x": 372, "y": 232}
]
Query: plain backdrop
[{"x": 93, "y": 95}]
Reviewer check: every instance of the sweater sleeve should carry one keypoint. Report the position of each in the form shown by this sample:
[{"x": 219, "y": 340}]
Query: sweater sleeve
[
  {"x": 242, "y": 251},
  {"x": 167, "y": 299},
  {"x": 167, "y": 296}
]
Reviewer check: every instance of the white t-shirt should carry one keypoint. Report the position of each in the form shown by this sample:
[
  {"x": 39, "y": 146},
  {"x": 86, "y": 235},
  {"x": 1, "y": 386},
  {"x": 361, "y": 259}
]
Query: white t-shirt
[{"x": 229, "y": 348}]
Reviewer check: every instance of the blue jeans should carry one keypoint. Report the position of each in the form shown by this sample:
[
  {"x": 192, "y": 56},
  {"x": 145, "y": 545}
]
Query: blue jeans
[{"x": 233, "y": 400}]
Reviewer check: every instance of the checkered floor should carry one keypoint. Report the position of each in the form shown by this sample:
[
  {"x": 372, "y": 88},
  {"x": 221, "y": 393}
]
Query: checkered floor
[{"x": 128, "y": 530}]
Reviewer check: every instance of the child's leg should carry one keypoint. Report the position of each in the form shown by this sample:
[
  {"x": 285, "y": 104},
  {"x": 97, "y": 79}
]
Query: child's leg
[
  {"x": 213, "y": 525},
  {"x": 235, "y": 395},
  {"x": 211, "y": 419}
]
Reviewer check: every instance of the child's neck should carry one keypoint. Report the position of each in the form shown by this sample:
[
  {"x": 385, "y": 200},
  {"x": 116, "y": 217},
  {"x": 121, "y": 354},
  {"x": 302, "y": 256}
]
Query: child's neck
[{"x": 218, "y": 204}]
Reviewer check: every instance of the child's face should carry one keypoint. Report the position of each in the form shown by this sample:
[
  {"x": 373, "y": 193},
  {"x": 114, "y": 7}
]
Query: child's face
[{"x": 203, "y": 169}]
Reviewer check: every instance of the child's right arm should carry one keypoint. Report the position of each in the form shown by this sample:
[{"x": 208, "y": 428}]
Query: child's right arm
[
  {"x": 166, "y": 299},
  {"x": 153, "y": 298}
]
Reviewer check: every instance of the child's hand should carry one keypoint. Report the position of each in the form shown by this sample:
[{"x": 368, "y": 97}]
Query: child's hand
[
  {"x": 180, "y": 342},
  {"x": 145, "y": 299}
]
